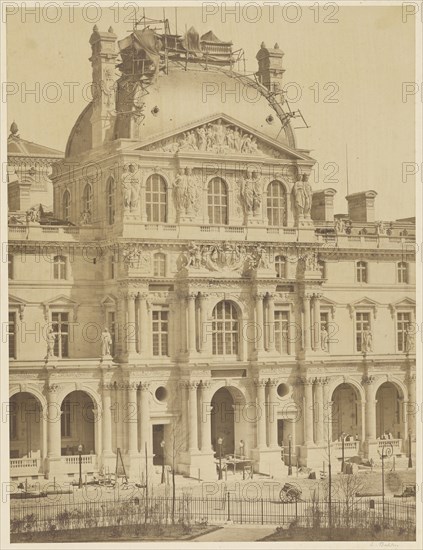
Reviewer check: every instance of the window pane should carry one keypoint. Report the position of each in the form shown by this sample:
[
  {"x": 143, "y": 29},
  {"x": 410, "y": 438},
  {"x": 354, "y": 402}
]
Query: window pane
[
  {"x": 225, "y": 333},
  {"x": 156, "y": 199},
  {"x": 217, "y": 202}
]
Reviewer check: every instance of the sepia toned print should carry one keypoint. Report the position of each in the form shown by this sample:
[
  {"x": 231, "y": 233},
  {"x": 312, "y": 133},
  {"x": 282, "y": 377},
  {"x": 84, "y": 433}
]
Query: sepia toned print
[{"x": 211, "y": 333}]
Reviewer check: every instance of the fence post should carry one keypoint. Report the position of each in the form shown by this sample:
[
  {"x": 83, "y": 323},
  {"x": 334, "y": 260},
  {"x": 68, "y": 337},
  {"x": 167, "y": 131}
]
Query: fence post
[
  {"x": 229, "y": 506},
  {"x": 240, "y": 509},
  {"x": 262, "y": 511}
]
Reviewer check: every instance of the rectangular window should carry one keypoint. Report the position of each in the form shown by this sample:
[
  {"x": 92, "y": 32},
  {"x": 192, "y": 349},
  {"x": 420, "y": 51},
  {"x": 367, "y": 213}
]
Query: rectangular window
[
  {"x": 402, "y": 271},
  {"x": 160, "y": 331},
  {"x": 60, "y": 324},
  {"x": 362, "y": 322},
  {"x": 11, "y": 334},
  {"x": 281, "y": 332},
  {"x": 112, "y": 266},
  {"x": 59, "y": 268},
  {"x": 65, "y": 419},
  {"x": 362, "y": 275},
  {"x": 403, "y": 320},
  {"x": 111, "y": 325}
]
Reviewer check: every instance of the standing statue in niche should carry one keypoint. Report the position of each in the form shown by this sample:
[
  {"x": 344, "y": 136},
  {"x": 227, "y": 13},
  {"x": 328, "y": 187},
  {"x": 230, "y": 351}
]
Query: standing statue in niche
[
  {"x": 308, "y": 196},
  {"x": 367, "y": 340},
  {"x": 51, "y": 339},
  {"x": 106, "y": 342},
  {"x": 187, "y": 192},
  {"x": 180, "y": 190},
  {"x": 131, "y": 187},
  {"x": 324, "y": 338},
  {"x": 409, "y": 338}
]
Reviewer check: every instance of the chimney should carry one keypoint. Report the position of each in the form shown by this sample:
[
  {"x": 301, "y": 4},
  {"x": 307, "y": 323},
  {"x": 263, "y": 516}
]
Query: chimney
[
  {"x": 18, "y": 192},
  {"x": 322, "y": 205},
  {"x": 270, "y": 71},
  {"x": 361, "y": 206},
  {"x": 103, "y": 88}
]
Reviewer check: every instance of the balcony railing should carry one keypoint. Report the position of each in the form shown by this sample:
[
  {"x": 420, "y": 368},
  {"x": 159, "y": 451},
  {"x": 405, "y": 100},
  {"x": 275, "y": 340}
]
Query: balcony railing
[
  {"x": 351, "y": 448},
  {"x": 24, "y": 463},
  {"x": 86, "y": 459},
  {"x": 396, "y": 444}
]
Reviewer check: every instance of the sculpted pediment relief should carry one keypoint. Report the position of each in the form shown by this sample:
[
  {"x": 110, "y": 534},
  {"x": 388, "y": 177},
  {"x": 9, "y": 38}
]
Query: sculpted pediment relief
[{"x": 223, "y": 136}]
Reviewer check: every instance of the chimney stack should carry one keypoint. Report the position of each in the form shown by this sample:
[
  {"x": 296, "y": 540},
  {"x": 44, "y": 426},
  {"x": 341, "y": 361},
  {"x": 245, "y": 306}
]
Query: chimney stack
[
  {"x": 361, "y": 206},
  {"x": 103, "y": 61},
  {"x": 270, "y": 71},
  {"x": 322, "y": 205}
]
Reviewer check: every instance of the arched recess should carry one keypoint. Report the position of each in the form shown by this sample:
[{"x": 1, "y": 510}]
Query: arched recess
[
  {"x": 78, "y": 423},
  {"x": 347, "y": 415},
  {"x": 389, "y": 411},
  {"x": 228, "y": 421},
  {"x": 26, "y": 427}
]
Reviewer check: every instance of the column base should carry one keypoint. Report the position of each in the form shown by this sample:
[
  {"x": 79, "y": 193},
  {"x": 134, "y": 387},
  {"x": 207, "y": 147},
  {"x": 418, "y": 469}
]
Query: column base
[
  {"x": 198, "y": 465},
  {"x": 313, "y": 456},
  {"x": 370, "y": 447},
  {"x": 135, "y": 466},
  {"x": 267, "y": 461}
]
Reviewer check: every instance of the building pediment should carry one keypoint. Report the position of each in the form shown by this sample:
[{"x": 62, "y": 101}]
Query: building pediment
[
  {"x": 17, "y": 304},
  {"x": 364, "y": 304},
  {"x": 222, "y": 135},
  {"x": 405, "y": 303},
  {"x": 60, "y": 302}
]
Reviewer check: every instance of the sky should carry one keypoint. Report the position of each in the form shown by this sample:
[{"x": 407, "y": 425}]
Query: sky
[{"x": 345, "y": 69}]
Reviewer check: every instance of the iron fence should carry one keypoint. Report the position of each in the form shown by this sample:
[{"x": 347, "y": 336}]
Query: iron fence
[{"x": 29, "y": 517}]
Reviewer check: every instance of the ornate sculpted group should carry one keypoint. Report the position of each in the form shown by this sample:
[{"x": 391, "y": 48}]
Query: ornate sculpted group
[
  {"x": 251, "y": 193},
  {"x": 214, "y": 137},
  {"x": 225, "y": 256},
  {"x": 187, "y": 192}
]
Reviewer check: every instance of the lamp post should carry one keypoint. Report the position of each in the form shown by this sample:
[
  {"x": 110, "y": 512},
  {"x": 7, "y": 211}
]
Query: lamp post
[
  {"x": 410, "y": 460},
  {"x": 162, "y": 445},
  {"x": 289, "y": 455},
  {"x": 387, "y": 451},
  {"x": 80, "y": 466},
  {"x": 343, "y": 452},
  {"x": 241, "y": 449},
  {"x": 219, "y": 442}
]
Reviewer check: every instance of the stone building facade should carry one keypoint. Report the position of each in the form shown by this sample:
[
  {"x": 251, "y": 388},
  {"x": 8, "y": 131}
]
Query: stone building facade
[{"x": 242, "y": 314}]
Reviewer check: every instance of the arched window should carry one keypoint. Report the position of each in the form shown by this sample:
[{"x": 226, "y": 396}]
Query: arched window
[
  {"x": 276, "y": 204},
  {"x": 156, "y": 199},
  {"x": 87, "y": 198},
  {"x": 217, "y": 202},
  {"x": 159, "y": 265},
  {"x": 66, "y": 205},
  {"x": 280, "y": 266},
  {"x": 402, "y": 272},
  {"x": 225, "y": 329},
  {"x": 59, "y": 267},
  {"x": 110, "y": 201},
  {"x": 362, "y": 273}
]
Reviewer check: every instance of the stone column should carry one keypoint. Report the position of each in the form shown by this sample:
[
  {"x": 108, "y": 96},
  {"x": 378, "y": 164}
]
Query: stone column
[
  {"x": 370, "y": 408},
  {"x": 271, "y": 322},
  {"x": 411, "y": 405},
  {"x": 316, "y": 324},
  {"x": 54, "y": 445},
  {"x": 272, "y": 416},
  {"x": 205, "y": 424},
  {"x": 261, "y": 413},
  {"x": 319, "y": 408},
  {"x": 306, "y": 323},
  {"x": 132, "y": 418},
  {"x": 106, "y": 419},
  {"x": 131, "y": 339},
  {"x": 193, "y": 416},
  {"x": 144, "y": 328},
  {"x": 203, "y": 323},
  {"x": 259, "y": 322},
  {"x": 308, "y": 411},
  {"x": 184, "y": 410},
  {"x": 192, "y": 346},
  {"x": 183, "y": 324},
  {"x": 145, "y": 418}
]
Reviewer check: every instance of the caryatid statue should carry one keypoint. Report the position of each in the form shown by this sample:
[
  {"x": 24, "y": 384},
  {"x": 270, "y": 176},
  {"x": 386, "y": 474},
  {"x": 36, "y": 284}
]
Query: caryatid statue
[
  {"x": 51, "y": 339},
  {"x": 251, "y": 193},
  {"x": 187, "y": 192},
  {"x": 302, "y": 197},
  {"x": 131, "y": 185},
  {"x": 106, "y": 343}
]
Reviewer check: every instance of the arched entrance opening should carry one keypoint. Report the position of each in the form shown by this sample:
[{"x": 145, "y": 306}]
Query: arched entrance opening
[
  {"x": 346, "y": 412},
  {"x": 388, "y": 412},
  {"x": 226, "y": 422},
  {"x": 77, "y": 424},
  {"x": 25, "y": 426}
]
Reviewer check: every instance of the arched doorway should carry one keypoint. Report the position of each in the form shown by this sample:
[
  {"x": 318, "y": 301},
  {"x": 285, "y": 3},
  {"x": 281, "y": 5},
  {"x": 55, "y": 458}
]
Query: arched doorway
[
  {"x": 346, "y": 412},
  {"x": 228, "y": 405},
  {"x": 77, "y": 424},
  {"x": 25, "y": 426},
  {"x": 388, "y": 411}
]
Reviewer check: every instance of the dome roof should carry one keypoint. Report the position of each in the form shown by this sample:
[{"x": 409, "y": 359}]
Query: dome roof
[{"x": 181, "y": 97}]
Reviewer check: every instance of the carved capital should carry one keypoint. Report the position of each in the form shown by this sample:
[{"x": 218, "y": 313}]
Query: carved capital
[
  {"x": 260, "y": 383},
  {"x": 53, "y": 388},
  {"x": 273, "y": 382},
  {"x": 144, "y": 386},
  {"x": 193, "y": 384},
  {"x": 368, "y": 380}
]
